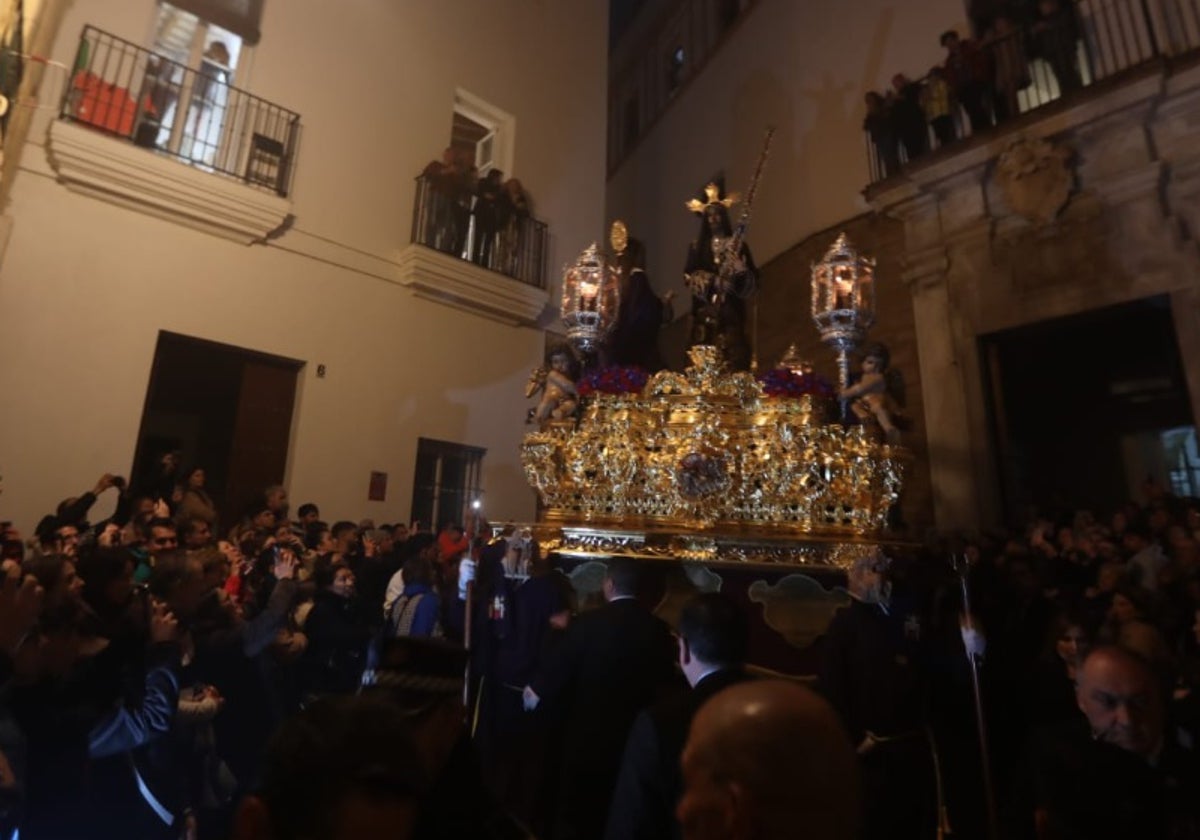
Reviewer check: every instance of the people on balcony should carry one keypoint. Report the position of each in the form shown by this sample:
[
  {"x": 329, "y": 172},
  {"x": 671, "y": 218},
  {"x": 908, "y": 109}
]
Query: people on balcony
[
  {"x": 463, "y": 187},
  {"x": 880, "y": 128},
  {"x": 984, "y": 78},
  {"x": 451, "y": 194},
  {"x": 1012, "y": 67},
  {"x": 909, "y": 117},
  {"x": 514, "y": 211},
  {"x": 207, "y": 108},
  {"x": 1055, "y": 32},
  {"x": 439, "y": 178},
  {"x": 969, "y": 70},
  {"x": 488, "y": 199},
  {"x": 938, "y": 105}
]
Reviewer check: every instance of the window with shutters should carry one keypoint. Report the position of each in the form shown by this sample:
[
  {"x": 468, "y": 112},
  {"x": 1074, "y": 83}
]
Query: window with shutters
[
  {"x": 187, "y": 33},
  {"x": 446, "y": 482}
]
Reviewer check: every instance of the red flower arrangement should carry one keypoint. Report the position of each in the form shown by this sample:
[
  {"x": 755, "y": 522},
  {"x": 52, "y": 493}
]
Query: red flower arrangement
[
  {"x": 786, "y": 383},
  {"x": 613, "y": 380}
]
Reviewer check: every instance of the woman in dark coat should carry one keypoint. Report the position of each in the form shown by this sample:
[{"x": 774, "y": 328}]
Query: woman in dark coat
[{"x": 337, "y": 633}]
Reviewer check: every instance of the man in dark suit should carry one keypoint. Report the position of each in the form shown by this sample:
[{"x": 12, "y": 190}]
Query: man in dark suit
[
  {"x": 871, "y": 674},
  {"x": 1120, "y": 770},
  {"x": 615, "y": 661},
  {"x": 712, "y": 639}
]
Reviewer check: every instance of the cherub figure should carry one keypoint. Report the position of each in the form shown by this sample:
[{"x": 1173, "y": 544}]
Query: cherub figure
[
  {"x": 878, "y": 395},
  {"x": 559, "y": 397}
]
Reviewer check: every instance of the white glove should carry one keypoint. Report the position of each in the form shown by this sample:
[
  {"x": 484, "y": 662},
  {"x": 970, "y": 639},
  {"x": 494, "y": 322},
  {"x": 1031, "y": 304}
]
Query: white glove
[
  {"x": 466, "y": 574},
  {"x": 973, "y": 641}
]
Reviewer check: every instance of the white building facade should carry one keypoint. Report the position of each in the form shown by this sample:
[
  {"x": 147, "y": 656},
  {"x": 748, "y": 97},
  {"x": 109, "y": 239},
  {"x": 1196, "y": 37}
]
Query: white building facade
[{"x": 111, "y": 244}]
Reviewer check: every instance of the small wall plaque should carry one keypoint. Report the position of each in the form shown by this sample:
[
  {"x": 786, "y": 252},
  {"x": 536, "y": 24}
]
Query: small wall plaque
[{"x": 377, "y": 491}]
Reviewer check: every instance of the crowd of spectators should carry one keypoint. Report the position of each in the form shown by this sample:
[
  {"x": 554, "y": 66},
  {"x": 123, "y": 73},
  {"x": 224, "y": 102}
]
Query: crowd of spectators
[
  {"x": 979, "y": 78},
  {"x": 1092, "y": 668},
  {"x": 481, "y": 219},
  {"x": 147, "y": 657},
  {"x": 1084, "y": 631},
  {"x": 163, "y": 674}
]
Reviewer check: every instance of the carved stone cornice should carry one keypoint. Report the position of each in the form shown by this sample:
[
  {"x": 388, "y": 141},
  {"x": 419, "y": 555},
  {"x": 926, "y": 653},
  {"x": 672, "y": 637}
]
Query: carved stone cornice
[
  {"x": 1184, "y": 173},
  {"x": 911, "y": 205},
  {"x": 114, "y": 170},
  {"x": 1138, "y": 88},
  {"x": 969, "y": 234},
  {"x": 461, "y": 284},
  {"x": 1131, "y": 184},
  {"x": 1182, "y": 191},
  {"x": 890, "y": 197},
  {"x": 1179, "y": 91}
]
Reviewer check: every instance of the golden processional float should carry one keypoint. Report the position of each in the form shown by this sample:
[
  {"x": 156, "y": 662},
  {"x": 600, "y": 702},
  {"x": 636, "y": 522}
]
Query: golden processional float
[{"x": 712, "y": 465}]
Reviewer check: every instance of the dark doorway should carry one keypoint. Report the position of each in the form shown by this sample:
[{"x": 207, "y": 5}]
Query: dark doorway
[
  {"x": 223, "y": 408},
  {"x": 1076, "y": 401}
]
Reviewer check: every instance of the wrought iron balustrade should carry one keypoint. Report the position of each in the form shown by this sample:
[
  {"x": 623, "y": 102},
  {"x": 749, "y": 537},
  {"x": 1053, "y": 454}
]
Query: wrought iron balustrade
[
  {"x": 1020, "y": 67},
  {"x": 198, "y": 117},
  {"x": 446, "y": 219}
]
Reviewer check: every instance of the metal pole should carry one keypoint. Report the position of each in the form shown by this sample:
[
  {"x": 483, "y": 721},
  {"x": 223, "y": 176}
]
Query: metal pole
[
  {"x": 943, "y": 815},
  {"x": 467, "y": 644},
  {"x": 981, "y": 725}
]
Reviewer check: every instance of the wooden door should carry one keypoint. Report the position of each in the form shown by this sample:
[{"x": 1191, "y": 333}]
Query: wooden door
[{"x": 261, "y": 432}]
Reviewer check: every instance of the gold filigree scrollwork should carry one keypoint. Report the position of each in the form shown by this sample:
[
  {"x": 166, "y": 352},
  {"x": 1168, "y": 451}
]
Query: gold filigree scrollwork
[{"x": 707, "y": 450}]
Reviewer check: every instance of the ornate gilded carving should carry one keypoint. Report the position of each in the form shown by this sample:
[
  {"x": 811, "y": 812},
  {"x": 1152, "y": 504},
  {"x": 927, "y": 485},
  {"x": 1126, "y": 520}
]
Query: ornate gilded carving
[
  {"x": 713, "y": 548},
  {"x": 707, "y": 451}
]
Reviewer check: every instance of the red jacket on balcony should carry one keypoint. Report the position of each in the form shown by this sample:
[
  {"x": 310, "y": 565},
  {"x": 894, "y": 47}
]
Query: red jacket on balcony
[
  {"x": 104, "y": 105},
  {"x": 970, "y": 64}
]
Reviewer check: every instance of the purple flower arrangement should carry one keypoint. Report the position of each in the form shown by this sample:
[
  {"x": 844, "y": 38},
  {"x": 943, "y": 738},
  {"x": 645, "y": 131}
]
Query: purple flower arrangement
[
  {"x": 786, "y": 383},
  {"x": 613, "y": 380}
]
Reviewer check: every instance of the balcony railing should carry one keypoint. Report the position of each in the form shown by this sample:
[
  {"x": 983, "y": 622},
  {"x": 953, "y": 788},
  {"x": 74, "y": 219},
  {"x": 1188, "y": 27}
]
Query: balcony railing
[
  {"x": 503, "y": 241},
  {"x": 129, "y": 92},
  {"x": 1021, "y": 68}
]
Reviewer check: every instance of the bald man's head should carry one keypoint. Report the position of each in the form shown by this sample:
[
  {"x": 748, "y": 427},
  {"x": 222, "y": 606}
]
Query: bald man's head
[
  {"x": 764, "y": 757},
  {"x": 1120, "y": 695}
]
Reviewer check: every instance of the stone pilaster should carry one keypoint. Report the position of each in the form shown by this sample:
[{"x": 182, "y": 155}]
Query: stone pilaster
[{"x": 952, "y": 459}]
